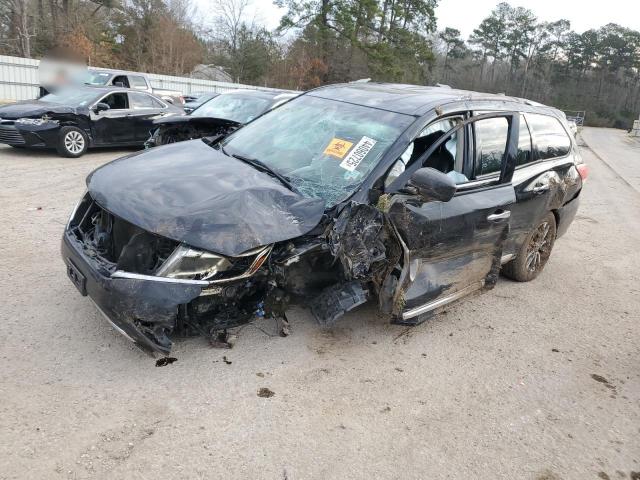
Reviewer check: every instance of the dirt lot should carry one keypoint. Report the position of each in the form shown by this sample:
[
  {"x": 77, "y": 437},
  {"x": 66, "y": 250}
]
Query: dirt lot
[{"x": 528, "y": 381}]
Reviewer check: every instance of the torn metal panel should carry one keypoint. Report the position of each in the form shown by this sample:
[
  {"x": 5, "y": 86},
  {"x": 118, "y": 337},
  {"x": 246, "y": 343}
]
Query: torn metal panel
[{"x": 356, "y": 239}]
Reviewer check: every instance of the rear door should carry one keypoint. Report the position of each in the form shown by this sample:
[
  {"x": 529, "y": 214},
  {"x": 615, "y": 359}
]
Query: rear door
[
  {"x": 455, "y": 247},
  {"x": 144, "y": 108},
  {"x": 116, "y": 125},
  {"x": 544, "y": 178}
]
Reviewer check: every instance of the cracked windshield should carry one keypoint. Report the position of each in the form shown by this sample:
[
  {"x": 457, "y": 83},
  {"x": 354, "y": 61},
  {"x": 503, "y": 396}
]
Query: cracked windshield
[{"x": 325, "y": 148}]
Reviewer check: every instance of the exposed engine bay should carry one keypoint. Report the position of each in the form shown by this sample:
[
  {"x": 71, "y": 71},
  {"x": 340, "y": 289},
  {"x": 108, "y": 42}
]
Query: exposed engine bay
[{"x": 179, "y": 129}]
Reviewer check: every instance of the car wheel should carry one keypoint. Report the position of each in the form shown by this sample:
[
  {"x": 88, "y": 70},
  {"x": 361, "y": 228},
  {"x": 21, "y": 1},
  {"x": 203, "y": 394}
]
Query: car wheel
[
  {"x": 72, "y": 142},
  {"x": 534, "y": 252}
]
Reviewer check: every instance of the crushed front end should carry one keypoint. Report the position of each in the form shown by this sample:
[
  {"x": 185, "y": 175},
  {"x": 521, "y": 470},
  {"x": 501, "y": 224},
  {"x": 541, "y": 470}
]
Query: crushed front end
[{"x": 150, "y": 287}]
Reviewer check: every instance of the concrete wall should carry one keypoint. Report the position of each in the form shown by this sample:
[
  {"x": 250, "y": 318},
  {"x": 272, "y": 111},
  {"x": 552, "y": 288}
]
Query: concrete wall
[{"x": 19, "y": 81}]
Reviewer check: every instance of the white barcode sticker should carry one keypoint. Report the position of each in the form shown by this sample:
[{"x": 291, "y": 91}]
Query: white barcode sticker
[{"x": 357, "y": 153}]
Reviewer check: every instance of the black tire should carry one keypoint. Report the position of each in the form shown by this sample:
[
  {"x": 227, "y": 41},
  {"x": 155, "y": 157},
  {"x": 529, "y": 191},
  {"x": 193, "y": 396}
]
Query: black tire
[
  {"x": 72, "y": 142},
  {"x": 534, "y": 252}
]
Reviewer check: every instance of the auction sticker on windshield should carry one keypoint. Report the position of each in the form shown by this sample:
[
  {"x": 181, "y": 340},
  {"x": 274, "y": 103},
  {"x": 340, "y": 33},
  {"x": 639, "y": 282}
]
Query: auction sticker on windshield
[
  {"x": 362, "y": 148},
  {"x": 338, "y": 147}
]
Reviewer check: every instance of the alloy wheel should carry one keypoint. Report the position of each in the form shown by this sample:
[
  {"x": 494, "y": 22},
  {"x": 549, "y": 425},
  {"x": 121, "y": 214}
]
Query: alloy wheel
[
  {"x": 74, "y": 142},
  {"x": 539, "y": 247}
]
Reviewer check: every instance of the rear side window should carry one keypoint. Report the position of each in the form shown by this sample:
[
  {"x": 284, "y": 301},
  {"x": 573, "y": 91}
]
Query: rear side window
[
  {"x": 525, "y": 154},
  {"x": 491, "y": 144},
  {"x": 140, "y": 100},
  {"x": 549, "y": 137},
  {"x": 137, "y": 81}
]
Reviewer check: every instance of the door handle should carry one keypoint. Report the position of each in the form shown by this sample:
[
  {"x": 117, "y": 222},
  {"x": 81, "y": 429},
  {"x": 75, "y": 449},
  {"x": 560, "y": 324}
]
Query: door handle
[
  {"x": 541, "y": 189},
  {"x": 496, "y": 217}
]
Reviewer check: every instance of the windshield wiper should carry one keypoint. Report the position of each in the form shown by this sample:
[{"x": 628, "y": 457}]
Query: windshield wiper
[{"x": 263, "y": 167}]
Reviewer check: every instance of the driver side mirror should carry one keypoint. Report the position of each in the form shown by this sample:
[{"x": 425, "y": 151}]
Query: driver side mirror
[
  {"x": 100, "y": 107},
  {"x": 433, "y": 184}
]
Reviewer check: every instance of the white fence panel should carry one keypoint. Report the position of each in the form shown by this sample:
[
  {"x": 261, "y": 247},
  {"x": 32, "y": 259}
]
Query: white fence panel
[
  {"x": 19, "y": 81},
  {"x": 18, "y": 78}
]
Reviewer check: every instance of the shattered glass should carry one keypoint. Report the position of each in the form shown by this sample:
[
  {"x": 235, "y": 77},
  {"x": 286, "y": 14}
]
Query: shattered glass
[{"x": 324, "y": 147}]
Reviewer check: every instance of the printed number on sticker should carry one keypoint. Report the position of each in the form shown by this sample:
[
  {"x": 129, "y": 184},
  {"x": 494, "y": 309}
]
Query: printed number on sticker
[{"x": 358, "y": 153}]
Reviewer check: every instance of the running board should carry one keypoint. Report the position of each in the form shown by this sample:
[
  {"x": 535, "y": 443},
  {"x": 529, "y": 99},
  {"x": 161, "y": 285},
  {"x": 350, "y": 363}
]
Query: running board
[{"x": 427, "y": 307}]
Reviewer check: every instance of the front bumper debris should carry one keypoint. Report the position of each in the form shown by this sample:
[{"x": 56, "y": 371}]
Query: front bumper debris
[{"x": 142, "y": 309}]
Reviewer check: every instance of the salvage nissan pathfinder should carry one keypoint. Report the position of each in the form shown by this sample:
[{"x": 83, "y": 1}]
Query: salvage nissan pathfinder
[{"x": 410, "y": 196}]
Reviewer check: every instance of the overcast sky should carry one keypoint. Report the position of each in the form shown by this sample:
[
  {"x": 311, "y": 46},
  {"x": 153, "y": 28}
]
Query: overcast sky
[{"x": 466, "y": 15}]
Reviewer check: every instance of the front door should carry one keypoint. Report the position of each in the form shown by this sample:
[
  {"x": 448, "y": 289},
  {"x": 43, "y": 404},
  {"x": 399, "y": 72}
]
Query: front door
[
  {"x": 116, "y": 125},
  {"x": 455, "y": 247},
  {"x": 144, "y": 108}
]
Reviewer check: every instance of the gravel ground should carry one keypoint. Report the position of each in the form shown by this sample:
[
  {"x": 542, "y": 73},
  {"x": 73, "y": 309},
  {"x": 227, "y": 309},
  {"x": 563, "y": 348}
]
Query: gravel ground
[{"x": 528, "y": 381}]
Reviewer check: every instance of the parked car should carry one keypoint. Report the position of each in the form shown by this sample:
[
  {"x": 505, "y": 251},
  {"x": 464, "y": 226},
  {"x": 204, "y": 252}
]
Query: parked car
[
  {"x": 191, "y": 103},
  {"x": 133, "y": 80},
  {"x": 218, "y": 116},
  {"x": 76, "y": 118},
  {"x": 412, "y": 196}
]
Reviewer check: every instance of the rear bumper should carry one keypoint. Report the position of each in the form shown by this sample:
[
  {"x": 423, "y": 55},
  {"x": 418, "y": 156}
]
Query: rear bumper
[{"x": 143, "y": 310}]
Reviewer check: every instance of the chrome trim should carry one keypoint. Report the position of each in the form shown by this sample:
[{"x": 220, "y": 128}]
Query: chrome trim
[
  {"x": 499, "y": 216},
  {"x": 152, "y": 278},
  {"x": 257, "y": 263},
  {"x": 116, "y": 327},
  {"x": 507, "y": 258},
  {"x": 427, "y": 307},
  {"x": 75, "y": 209}
]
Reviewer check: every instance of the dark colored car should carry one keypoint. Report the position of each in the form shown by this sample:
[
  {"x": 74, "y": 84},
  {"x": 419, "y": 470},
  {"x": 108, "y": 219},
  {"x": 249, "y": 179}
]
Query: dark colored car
[
  {"x": 218, "y": 116},
  {"x": 412, "y": 196},
  {"x": 75, "y": 119},
  {"x": 191, "y": 102}
]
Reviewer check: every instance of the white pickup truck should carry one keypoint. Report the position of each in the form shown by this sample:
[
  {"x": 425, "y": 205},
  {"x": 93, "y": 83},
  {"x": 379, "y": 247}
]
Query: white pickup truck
[
  {"x": 134, "y": 80},
  {"x": 55, "y": 74}
]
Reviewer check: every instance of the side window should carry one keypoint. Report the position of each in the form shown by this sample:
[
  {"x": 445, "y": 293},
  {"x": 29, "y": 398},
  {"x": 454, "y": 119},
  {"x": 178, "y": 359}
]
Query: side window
[
  {"x": 140, "y": 100},
  {"x": 525, "y": 153},
  {"x": 491, "y": 136},
  {"x": 120, "y": 81},
  {"x": 549, "y": 137},
  {"x": 117, "y": 101},
  {"x": 138, "y": 82},
  {"x": 448, "y": 158}
]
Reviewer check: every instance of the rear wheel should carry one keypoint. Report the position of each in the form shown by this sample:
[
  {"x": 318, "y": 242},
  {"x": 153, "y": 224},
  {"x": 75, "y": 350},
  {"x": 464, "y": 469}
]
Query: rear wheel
[
  {"x": 72, "y": 142},
  {"x": 534, "y": 253}
]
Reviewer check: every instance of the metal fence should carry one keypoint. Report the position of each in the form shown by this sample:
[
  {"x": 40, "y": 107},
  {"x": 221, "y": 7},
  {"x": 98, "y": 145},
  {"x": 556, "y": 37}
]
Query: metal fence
[{"x": 19, "y": 81}]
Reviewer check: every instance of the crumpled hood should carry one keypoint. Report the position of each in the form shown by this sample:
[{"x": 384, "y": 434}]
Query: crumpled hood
[
  {"x": 182, "y": 119},
  {"x": 32, "y": 108},
  {"x": 193, "y": 193}
]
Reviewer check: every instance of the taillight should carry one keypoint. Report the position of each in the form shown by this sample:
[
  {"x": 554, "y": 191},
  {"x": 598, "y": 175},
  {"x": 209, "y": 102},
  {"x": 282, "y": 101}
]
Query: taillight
[
  {"x": 181, "y": 99},
  {"x": 583, "y": 170}
]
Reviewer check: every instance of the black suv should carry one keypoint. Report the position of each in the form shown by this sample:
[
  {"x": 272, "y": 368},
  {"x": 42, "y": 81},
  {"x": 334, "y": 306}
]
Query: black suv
[{"x": 412, "y": 196}]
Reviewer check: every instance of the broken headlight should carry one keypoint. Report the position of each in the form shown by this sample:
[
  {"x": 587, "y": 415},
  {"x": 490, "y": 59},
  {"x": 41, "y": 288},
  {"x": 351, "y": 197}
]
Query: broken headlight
[
  {"x": 35, "y": 121},
  {"x": 188, "y": 263}
]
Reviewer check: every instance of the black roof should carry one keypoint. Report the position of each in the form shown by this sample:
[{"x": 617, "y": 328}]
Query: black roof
[
  {"x": 407, "y": 99},
  {"x": 267, "y": 94}
]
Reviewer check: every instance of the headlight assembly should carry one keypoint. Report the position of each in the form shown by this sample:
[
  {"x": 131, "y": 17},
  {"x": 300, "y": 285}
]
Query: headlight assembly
[
  {"x": 188, "y": 263},
  {"x": 35, "y": 121}
]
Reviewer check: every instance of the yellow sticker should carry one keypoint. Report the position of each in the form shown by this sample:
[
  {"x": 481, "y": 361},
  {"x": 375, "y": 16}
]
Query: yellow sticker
[{"x": 338, "y": 147}]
